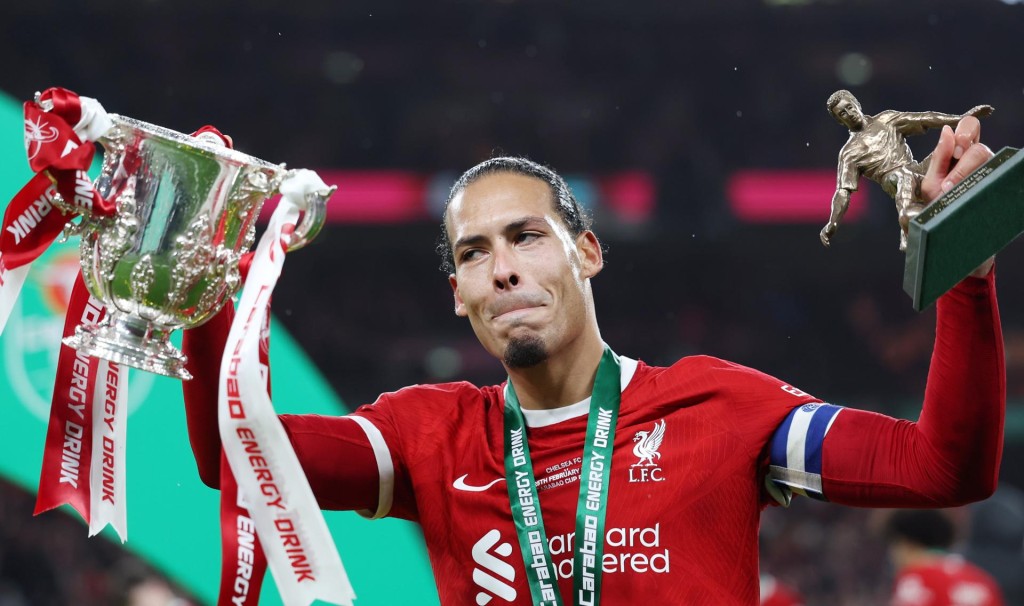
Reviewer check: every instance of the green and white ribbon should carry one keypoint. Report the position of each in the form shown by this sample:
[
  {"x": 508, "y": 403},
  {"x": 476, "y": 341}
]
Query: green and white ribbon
[{"x": 592, "y": 505}]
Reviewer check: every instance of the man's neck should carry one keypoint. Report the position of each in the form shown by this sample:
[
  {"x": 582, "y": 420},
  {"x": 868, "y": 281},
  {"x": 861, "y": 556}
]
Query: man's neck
[{"x": 561, "y": 380}]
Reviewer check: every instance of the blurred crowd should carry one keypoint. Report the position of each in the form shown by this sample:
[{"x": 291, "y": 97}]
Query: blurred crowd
[
  {"x": 843, "y": 556},
  {"x": 594, "y": 86}
]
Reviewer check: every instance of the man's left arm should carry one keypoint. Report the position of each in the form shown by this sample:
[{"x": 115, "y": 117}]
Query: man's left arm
[{"x": 951, "y": 455}]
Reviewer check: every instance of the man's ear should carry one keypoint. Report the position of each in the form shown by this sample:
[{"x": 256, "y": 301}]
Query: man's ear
[
  {"x": 591, "y": 256},
  {"x": 460, "y": 307}
]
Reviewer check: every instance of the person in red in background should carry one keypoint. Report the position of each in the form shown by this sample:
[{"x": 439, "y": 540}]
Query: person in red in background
[
  {"x": 774, "y": 593},
  {"x": 926, "y": 573}
]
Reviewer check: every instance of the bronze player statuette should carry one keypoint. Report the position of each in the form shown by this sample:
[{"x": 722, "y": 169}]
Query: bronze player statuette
[{"x": 877, "y": 148}]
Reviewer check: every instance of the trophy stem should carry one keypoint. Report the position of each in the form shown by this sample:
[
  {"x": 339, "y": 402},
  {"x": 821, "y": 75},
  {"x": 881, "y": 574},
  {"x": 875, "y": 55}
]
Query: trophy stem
[{"x": 130, "y": 340}]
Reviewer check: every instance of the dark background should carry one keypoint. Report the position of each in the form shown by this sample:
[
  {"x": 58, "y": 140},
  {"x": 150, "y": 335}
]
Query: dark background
[{"x": 687, "y": 92}]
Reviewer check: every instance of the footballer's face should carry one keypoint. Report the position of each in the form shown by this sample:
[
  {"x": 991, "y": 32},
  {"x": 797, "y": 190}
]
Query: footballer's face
[
  {"x": 520, "y": 277},
  {"x": 849, "y": 114}
]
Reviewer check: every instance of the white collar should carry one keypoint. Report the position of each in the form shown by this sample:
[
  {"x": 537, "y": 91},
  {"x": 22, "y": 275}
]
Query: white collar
[{"x": 543, "y": 418}]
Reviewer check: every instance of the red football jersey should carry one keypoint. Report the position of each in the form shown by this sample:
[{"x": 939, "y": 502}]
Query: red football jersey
[
  {"x": 692, "y": 447},
  {"x": 945, "y": 581},
  {"x": 683, "y": 503}
]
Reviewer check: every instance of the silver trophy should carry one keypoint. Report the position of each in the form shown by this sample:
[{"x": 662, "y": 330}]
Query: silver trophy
[{"x": 168, "y": 259}]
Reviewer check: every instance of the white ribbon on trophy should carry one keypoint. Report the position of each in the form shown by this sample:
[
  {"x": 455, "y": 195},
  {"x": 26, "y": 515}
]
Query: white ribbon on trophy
[
  {"x": 11, "y": 281},
  {"x": 300, "y": 551},
  {"x": 107, "y": 500}
]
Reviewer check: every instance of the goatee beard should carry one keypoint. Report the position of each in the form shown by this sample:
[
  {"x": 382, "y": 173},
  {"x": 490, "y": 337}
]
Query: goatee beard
[{"x": 524, "y": 352}]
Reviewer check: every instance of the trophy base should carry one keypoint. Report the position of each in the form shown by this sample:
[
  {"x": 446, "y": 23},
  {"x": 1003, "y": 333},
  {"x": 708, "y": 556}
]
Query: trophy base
[
  {"x": 958, "y": 232},
  {"x": 132, "y": 341}
]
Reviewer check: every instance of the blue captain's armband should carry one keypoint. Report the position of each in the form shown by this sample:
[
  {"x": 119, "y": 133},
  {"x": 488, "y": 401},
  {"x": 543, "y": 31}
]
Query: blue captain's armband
[{"x": 795, "y": 452}]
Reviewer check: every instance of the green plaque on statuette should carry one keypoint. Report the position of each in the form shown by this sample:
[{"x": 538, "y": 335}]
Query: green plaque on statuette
[{"x": 964, "y": 227}]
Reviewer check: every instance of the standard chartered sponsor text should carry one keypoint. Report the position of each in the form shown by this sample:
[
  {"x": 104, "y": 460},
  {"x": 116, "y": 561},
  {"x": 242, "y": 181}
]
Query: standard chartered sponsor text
[{"x": 636, "y": 550}]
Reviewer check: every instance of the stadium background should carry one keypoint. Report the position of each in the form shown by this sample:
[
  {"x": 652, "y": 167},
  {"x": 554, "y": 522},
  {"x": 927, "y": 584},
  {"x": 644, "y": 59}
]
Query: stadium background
[{"x": 695, "y": 131}]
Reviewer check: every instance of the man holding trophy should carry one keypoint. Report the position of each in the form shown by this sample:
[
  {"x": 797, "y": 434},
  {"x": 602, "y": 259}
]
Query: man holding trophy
[{"x": 589, "y": 477}]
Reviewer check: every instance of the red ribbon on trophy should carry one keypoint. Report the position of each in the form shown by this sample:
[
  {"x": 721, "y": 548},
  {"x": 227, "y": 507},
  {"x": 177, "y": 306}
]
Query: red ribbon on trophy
[
  {"x": 243, "y": 562},
  {"x": 68, "y": 455},
  {"x": 83, "y": 462},
  {"x": 84, "y": 457},
  {"x": 60, "y": 154}
]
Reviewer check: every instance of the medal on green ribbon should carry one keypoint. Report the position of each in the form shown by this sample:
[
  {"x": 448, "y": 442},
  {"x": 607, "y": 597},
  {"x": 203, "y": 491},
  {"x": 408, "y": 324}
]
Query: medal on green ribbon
[{"x": 595, "y": 474}]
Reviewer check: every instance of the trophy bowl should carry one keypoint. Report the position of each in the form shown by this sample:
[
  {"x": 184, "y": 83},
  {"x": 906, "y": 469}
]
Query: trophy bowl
[{"x": 168, "y": 258}]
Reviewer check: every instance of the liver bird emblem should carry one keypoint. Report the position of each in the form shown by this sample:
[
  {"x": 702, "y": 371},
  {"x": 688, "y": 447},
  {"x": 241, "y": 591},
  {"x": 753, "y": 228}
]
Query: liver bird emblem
[
  {"x": 648, "y": 443},
  {"x": 36, "y": 134}
]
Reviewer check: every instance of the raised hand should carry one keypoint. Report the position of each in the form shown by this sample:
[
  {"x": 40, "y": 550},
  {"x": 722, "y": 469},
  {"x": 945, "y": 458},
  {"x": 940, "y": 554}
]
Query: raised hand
[{"x": 957, "y": 154}]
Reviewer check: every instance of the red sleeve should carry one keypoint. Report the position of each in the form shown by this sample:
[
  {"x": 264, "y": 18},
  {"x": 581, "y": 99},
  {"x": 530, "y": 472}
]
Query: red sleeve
[
  {"x": 204, "y": 347},
  {"x": 335, "y": 452},
  {"x": 338, "y": 459},
  {"x": 412, "y": 431},
  {"x": 951, "y": 455}
]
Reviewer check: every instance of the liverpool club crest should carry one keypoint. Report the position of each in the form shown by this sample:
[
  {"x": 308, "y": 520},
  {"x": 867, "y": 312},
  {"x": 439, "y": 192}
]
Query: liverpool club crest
[{"x": 647, "y": 468}]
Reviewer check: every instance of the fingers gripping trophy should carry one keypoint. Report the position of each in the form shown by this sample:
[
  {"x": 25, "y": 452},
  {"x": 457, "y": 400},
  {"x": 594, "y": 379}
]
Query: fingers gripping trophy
[{"x": 956, "y": 208}]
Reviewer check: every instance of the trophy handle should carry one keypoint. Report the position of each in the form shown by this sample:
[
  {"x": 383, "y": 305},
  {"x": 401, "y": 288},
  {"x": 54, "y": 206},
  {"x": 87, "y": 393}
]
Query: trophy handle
[
  {"x": 44, "y": 104},
  {"x": 314, "y": 215}
]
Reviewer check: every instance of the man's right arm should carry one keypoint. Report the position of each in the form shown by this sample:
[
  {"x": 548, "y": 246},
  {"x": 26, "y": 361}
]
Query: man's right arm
[
  {"x": 335, "y": 452},
  {"x": 204, "y": 347}
]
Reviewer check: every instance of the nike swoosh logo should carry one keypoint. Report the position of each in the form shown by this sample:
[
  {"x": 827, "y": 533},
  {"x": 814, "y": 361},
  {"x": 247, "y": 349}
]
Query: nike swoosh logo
[{"x": 460, "y": 484}]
